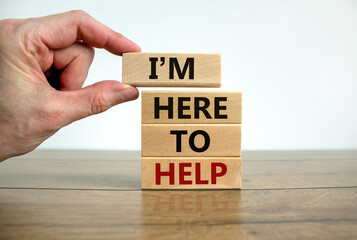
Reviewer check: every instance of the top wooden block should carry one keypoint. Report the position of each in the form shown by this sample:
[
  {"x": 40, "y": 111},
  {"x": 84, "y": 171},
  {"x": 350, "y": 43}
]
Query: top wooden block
[{"x": 172, "y": 70}]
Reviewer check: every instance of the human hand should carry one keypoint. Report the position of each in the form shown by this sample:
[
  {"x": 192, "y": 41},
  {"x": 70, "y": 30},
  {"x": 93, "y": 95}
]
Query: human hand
[{"x": 56, "y": 49}]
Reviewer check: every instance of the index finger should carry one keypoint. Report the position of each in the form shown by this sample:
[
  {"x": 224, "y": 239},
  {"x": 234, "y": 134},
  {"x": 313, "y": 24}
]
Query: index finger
[{"x": 64, "y": 29}]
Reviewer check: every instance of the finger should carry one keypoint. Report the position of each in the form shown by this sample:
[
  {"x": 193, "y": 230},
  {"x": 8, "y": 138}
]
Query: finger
[
  {"x": 93, "y": 99},
  {"x": 74, "y": 61},
  {"x": 62, "y": 30}
]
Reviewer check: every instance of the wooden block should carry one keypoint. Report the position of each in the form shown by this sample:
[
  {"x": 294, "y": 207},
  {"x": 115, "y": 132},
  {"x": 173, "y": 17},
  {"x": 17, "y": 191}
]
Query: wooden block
[
  {"x": 172, "y": 69},
  {"x": 191, "y": 140},
  {"x": 191, "y": 107},
  {"x": 190, "y": 173}
]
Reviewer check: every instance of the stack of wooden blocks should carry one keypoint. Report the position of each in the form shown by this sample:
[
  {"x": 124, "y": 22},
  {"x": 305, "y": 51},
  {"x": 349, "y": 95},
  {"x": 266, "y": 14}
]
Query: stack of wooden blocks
[{"x": 190, "y": 139}]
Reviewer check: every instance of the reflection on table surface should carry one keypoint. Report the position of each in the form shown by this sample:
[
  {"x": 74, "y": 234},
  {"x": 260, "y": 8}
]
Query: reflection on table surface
[
  {"x": 195, "y": 203},
  {"x": 191, "y": 213}
]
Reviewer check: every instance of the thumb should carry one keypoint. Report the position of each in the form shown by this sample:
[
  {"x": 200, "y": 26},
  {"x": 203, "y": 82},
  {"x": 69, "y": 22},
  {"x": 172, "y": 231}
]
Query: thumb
[{"x": 94, "y": 99}]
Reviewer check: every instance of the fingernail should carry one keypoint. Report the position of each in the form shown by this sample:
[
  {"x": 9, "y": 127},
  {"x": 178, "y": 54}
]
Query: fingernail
[
  {"x": 126, "y": 86},
  {"x": 129, "y": 93}
]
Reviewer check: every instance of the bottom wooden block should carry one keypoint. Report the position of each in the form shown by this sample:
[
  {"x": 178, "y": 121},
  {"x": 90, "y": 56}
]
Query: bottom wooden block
[{"x": 191, "y": 172}]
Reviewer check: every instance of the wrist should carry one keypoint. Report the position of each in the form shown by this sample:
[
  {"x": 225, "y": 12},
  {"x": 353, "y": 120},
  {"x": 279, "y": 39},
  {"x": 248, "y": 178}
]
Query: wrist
[{"x": 6, "y": 145}]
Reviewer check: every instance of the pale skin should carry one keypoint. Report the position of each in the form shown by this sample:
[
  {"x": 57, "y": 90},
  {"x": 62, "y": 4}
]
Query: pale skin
[{"x": 56, "y": 49}]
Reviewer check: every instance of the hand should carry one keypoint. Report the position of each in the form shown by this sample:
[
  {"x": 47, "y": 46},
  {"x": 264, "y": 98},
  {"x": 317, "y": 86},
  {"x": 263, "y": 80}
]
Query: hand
[{"x": 40, "y": 54}]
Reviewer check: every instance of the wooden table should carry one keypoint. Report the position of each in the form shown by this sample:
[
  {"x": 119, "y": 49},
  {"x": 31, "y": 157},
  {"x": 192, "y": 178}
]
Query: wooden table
[{"x": 97, "y": 195}]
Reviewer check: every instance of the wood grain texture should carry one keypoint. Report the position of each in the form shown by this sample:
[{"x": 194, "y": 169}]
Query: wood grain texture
[
  {"x": 160, "y": 140},
  {"x": 191, "y": 173},
  {"x": 137, "y": 69},
  {"x": 222, "y": 107},
  {"x": 220, "y": 214}
]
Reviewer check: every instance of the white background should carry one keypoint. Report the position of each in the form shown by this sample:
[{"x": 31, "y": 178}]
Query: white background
[{"x": 294, "y": 61}]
